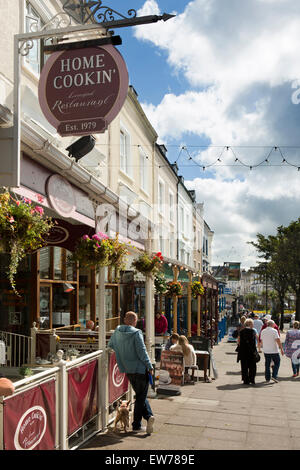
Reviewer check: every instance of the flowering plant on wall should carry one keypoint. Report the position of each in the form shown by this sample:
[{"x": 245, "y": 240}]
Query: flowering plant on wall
[
  {"x": 174, "y": 288},
  {"x": 148, "y": 264},
  {"x": 22, "y": 230},
  {"x": 93, "y": 251},
  {"x": 197, "y": 289}
]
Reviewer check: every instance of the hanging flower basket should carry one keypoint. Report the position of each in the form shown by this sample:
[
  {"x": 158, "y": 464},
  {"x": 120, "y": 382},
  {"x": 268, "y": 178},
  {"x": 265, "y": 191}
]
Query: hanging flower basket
[
  {"x": 118, "y": 255},
  {"x": 197, "y": 289},
  {"x": 160, "y": 283},
  {"x": 22, "y": 230},
  {"x": 174, "y": 288},
  {"x": 93, "y": 251},
  {"x": 99, "y": 250},
  {"x": 147, "y": 264}
]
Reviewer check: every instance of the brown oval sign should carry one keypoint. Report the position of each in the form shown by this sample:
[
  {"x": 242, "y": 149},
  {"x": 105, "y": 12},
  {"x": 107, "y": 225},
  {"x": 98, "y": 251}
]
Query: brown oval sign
[{"x": 81, "y": 91}]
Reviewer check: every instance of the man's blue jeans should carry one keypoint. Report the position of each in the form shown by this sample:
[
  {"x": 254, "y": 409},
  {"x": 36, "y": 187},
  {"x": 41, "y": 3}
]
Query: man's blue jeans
[
  {"x": 276, "y": 359},
  {"x": 142, "y": 409}
]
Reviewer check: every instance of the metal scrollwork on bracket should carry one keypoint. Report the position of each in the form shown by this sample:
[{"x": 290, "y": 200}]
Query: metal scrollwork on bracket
[
  {"x": 25, "y": 47},
  {"x": 59, "y": 21},
  {"x": 85, "y": 10}
]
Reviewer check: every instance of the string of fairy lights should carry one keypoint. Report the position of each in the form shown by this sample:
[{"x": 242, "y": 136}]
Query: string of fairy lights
[
  {"x": 237, "y": 161},
  {"x": 227, "y": 156}
]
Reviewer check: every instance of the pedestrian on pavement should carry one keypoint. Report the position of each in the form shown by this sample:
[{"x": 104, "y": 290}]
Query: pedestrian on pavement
[
  {"x": 266, "y": 319},
  {"x": 271, "y": 344},
  {"x": 161, "y": 324},
  {"x": 189, "y": 355},
  {"x": 172, "y": 341},
  {"x": 291, "y": 336},
  {"x": 133, "y": 360},
  {"x": 246, "y": 352},
  {"x": 258, "y": 324}
]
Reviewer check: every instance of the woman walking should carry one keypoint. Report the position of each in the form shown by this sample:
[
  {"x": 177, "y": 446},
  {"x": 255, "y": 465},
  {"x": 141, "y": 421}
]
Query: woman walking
[
  {"x": 247, "y": 351},
  {"x": 292, "y": 336}
]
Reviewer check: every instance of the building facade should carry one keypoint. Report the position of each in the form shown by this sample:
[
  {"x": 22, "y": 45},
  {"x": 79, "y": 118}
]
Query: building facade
[{"x": 125, "y": 185}]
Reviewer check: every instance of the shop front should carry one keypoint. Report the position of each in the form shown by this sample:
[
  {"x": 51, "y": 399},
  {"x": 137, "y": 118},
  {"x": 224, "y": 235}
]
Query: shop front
[{"x": 53, "y": 291}]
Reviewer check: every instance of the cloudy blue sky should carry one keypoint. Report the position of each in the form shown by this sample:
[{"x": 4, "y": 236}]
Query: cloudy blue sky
[{"x": 225, "y": 74}]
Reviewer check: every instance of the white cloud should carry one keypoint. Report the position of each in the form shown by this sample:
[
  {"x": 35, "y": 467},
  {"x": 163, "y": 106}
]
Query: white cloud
[{"x": 240, "y": 59}]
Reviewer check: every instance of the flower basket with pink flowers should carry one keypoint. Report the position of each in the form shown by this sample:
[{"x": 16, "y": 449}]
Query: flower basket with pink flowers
[
  {"x": 22, "y": 230},
  {"x": 93, "y": 251}
]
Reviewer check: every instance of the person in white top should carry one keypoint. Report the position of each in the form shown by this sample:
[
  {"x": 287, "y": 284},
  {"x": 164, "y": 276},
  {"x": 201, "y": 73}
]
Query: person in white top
[
  {"x": 271, "y": 345},
  {"x": 189, "y": 355}
]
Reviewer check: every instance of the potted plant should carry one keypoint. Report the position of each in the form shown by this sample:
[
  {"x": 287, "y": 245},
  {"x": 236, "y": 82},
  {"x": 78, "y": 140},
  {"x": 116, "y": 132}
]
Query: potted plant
[
  {"x": 22, "y": 230},
  {"x": 147, "y": 264},
  {"x": 93, "y": 251},
  {"x": 197, "y": 289},
  {"x": 174, "y": 288}
]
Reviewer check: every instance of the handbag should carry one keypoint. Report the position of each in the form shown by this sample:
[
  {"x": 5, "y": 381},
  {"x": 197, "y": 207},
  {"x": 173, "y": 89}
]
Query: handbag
[{"x": 256, "y": 356}]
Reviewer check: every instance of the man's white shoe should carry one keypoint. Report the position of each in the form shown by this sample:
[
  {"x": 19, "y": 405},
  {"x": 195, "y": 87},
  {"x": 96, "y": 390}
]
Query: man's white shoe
[
  {"x": 150, "y": 423},
  {"x": 268, "y": 382}
]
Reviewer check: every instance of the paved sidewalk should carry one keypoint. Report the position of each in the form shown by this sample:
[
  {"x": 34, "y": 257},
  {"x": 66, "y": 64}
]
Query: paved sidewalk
[{"x": 222, "y": 415}]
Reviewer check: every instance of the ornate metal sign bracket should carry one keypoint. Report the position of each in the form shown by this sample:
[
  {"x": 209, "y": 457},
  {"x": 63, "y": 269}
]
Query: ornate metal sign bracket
[{"x": 84, "y": 11}]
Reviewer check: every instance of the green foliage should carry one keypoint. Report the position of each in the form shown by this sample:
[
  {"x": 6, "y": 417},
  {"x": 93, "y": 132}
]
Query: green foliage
[
  {"x": 197, "y": 289},
  {"x": 160, "y": 283},
  {"x": 174, "y": 288},
  {"x": 22, "y": 230},
  {"x": 281, "y": 253},
  {"x": 147, "y": 264},
  {"x": 99, "y": 250}
]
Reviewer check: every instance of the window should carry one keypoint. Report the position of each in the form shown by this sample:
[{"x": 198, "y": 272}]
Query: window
[
  {"x": 125, "y": 152},
  {"x": 34, "y": 23},
  {"x": 181, "y": 219},
  {"x": 143, "y": 170},
  {"x": 171, "y": 207},
  {"x": 172, "y": 247},
  {"x": 160, "y": 196},
  {"x": 161, "y": 244}
]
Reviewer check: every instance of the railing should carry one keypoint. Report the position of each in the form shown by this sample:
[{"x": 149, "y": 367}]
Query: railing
[
  {"x": 18, "y": 348},
  {"x": 62, "y": 406}
]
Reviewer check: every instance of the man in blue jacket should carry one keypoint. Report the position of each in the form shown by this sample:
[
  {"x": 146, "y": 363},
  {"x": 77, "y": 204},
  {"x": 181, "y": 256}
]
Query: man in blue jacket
[{"x": 133, "y": 360}]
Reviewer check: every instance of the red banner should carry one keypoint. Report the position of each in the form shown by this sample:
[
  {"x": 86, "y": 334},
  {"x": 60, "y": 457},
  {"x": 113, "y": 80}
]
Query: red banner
[
  {"x": 118, "y": 383},
  {"x": 29, "y": 419},
  {"x": 82, "y": 395}
]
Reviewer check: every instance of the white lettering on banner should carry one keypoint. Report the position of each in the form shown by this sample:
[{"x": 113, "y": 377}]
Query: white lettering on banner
[
  {"x": 31, "y": 429},
  {"x": 93, "y": 62},
  {"x": 101, "y": 77},
  {"x": 296, "y": 354},
  {"x": 69, "y": 107}
]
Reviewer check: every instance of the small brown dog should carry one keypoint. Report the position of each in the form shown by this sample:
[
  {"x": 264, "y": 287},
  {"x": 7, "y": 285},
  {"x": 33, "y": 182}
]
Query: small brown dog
[{"x": 122, "y": 414}]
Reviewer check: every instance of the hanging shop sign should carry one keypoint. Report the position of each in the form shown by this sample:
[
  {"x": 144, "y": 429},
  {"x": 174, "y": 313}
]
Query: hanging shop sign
[{"x": 81, "y": 91}]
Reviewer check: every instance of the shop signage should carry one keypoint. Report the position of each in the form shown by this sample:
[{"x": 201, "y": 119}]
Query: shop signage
[
  {"x": 83, "y": 392},
  {"x": 61, "y": 195},
  {"x": 171, "y": 372},
  {"x": 118, "y": 383},
  {"x": 29, "y": 419},
  {"x": 81, "y": 91}
]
